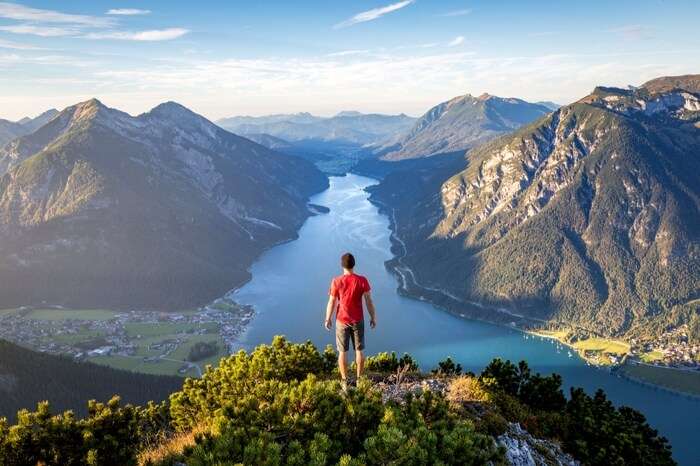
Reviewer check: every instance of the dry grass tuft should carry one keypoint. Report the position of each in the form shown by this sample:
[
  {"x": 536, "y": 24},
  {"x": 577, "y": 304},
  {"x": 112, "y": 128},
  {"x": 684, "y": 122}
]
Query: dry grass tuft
[
  {"x": 467, "y": 389},
  {"x": 170, "y": 447}
]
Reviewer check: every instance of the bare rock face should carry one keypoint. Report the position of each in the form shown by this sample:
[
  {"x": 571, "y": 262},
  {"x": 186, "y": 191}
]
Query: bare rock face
[
  {"x": 522, "y": 449},
  {"x": 397, "y": 392},
  {"x": 590, "y": 216},
  {"x": 164, "y": 209}
]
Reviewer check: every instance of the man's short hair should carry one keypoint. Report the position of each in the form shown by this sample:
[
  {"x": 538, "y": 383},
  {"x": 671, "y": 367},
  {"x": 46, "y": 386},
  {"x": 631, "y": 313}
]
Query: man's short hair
[{"x": 347, "y": 260}]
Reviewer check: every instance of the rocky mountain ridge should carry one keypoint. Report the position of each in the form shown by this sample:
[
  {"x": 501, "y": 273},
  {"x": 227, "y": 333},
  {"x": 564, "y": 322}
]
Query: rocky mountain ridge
[
  {"x": 589, "y": 216},
  {"x": 164, "y": 209}
]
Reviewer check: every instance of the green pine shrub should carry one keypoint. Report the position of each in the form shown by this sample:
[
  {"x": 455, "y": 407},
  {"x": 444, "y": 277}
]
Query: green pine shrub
[
  {"x": 283, "y": 405},
  {"x": 389, "y": 362}
]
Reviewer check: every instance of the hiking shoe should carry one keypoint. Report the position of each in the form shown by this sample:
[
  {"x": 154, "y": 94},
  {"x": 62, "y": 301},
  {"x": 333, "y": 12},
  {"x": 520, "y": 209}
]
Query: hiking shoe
[{"x": 344, "y": 385}]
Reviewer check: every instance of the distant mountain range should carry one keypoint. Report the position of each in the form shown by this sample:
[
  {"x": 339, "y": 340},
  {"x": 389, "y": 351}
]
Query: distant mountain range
[
  {"x": 10, "y": 130},
  {"x": 348, "y": 127},
  {"x": 589, "y": 216},
  {"x": 164, "y": 210},
  {"x": 272, "y": 142},
  {"x": 335, "y": 144},
  {"x": 461, "y": 123}
]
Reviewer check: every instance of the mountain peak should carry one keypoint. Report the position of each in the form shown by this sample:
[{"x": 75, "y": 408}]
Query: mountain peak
[
  {"x": 174, "y": 111},
  {"x": 688, "y": 82},
  {"x": 91, "y": 103},
  {"x": 348, "y": 113},
  {"x": 460, "y": 98},
  {"x": 170, "y": 107},
  {"x": 462, "y": 122},
  {"x": 45, "y": 116},
  {"x": 672, "y": 97},
  {"x": 86, "y": 110}
]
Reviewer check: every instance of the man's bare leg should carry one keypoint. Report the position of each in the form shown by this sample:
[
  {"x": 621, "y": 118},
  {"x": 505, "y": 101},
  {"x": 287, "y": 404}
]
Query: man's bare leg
[
  {"x": 343, "y": 365},
  {"x": 359, "y": 362}
]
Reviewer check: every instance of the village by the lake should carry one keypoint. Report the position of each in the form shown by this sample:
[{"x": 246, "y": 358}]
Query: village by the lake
[{"x": 169, "y": 343}]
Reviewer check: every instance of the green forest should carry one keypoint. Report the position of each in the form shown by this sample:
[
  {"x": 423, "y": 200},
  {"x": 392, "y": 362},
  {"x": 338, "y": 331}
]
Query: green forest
[
  {"x": 282, "y": 404},
  {"x": 28, "y": 377}
]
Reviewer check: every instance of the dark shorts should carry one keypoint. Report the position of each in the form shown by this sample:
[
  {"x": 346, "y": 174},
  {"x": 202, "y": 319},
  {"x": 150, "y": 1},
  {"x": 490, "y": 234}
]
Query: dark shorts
[{"x": 346, "y": 332}]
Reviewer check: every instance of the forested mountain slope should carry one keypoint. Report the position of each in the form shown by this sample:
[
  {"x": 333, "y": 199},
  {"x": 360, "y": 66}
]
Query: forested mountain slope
[
  {"x": 590, "y": 216},
  {"x": 28, "y": 377},
  {"x": 161, "y": 210}
]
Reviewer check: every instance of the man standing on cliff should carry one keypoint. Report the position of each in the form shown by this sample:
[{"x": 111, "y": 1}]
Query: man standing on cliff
[{"x": 347, "y": 292}]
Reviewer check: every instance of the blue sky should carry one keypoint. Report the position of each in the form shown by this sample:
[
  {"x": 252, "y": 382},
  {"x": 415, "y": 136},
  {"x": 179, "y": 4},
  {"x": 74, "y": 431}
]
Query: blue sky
[{"x": 224, "y": 58}]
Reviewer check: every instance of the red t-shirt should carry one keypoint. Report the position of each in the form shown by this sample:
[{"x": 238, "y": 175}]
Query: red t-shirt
[{"x": 348, "y": 290}]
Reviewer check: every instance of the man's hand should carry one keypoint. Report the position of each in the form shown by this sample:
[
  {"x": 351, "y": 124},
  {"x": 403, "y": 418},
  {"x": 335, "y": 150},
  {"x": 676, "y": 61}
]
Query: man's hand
[
  {"x": 370, "y": 308},
  {"x": 330, "y": 309}
]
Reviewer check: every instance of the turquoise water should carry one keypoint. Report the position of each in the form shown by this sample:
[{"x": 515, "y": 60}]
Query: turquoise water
[{"x": 289, "y": 291}]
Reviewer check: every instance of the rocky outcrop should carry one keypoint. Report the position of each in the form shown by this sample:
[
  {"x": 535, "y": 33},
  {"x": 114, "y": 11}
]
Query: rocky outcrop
[{"x": 522, "y": 449}]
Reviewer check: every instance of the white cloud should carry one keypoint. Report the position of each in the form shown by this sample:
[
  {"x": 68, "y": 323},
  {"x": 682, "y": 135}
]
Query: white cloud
[
  {"x": 127, "y": 12},
  {"x": 373, "y": 83},
  {"x": 42, "y": 31},
  {"x": 50, "y": 23},
  {"x": 346, "y": 53},
  {"x": 6, "y": 44},
  {"x": 52, "y": 60},
  {"x": 142, "y": 36},
  {"x": 379, "y": 81},
  {"x": 23, "y": 13},
  {"x": 463, "y": 12},
  {"x": 456, "y": 41},
  {"x": 373, "y": 14}
]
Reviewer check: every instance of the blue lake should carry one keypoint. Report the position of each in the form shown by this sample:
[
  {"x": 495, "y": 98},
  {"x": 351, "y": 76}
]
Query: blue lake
[{"x": 289, "y": 291}]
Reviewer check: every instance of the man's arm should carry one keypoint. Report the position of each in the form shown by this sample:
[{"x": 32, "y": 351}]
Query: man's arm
[
  {"x": 330, "y": 307},
  {"x": 370, "y": 308}
]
